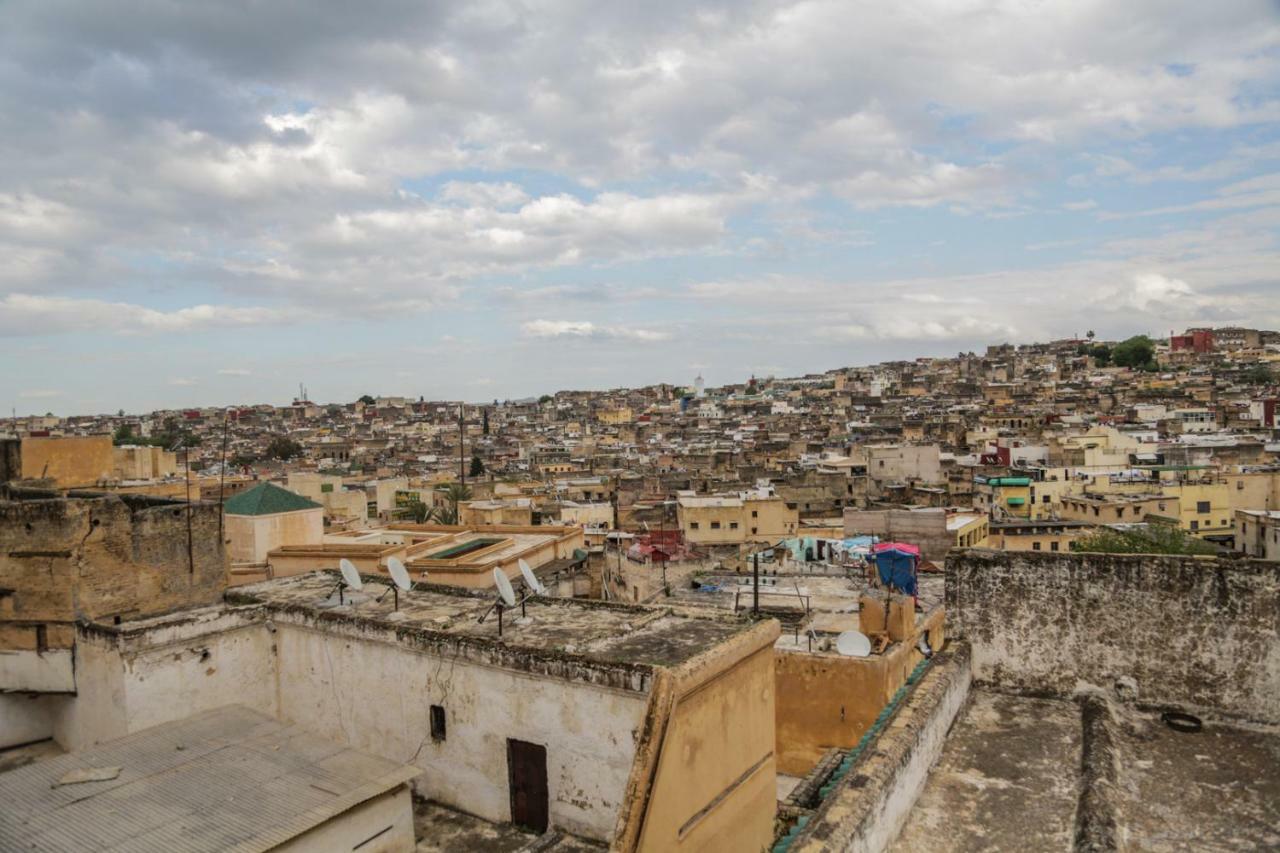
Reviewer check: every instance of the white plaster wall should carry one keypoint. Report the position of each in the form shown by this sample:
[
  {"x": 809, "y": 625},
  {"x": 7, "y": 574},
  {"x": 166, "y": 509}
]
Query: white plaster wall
[
  {"x": 98, "y": 712},
  {"x": 28, "y": 717},
  {"x": 175, "y": 680},
  {"x": 376, "y": 697},
  {"x": 48, "y": 671}
]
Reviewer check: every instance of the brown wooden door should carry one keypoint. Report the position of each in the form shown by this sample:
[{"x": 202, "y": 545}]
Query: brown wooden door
[{"x": 527, "y": 769}]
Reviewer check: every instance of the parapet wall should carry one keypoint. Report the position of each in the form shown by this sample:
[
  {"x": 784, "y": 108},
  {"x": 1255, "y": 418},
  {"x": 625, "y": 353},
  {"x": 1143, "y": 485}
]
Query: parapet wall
[{"x": 1192, "y": 631}]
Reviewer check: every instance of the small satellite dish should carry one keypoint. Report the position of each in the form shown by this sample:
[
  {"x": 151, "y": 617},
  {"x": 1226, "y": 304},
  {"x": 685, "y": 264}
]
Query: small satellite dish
[
  {"x": 349, "y": 574},
  {"x": 399, "y": 576},
  {"x": 507, "y": 594},
  {"x": 853, "y": 644},
  {"x": 530, "y": 579}
]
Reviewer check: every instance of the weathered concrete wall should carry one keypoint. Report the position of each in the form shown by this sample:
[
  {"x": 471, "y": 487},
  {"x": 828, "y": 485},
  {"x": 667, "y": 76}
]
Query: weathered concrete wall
[
  {"x": 1195, "y": 631},
  {"x": 376, "y": 696},
  {"x": 96, "y": 558},
  {"x": 27, "y": 717},
  {"x": 156, "y": 671},
  {"x": 381, "y": 825},
  {"x": 869, "y": 806}
]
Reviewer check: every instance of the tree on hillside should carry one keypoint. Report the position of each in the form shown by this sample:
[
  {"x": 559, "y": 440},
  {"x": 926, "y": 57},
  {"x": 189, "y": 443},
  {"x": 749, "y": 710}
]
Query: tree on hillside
[
  {"x": 366, "y": 399},
  {"x": 283, "y": 447},
  {"x": 1137, "y": 352},
  {"x": 477, "y": 467},
  {"x": 1259, "y": 374}
]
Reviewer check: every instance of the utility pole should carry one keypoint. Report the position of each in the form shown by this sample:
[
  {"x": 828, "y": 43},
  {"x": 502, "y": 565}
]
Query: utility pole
[
  {"x": 755, "y": 584},
  {"x": 462, "y": 440},
  {"x": 222, "y": 471}
]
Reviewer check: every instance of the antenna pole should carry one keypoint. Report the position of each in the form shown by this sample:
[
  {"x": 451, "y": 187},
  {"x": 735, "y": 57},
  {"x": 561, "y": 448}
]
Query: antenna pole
[
  {"x": 500, "y": 620},
  {"x": 222, "y": 470},
  {"x": 191, "y": 554}
]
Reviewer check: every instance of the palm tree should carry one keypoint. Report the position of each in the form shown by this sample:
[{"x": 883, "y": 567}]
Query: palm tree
[{"x": 454, "y": 494}]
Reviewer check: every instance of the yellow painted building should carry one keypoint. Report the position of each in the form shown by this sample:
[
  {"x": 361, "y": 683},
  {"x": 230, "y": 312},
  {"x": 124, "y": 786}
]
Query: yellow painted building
[{"x": 725, "y": 520}]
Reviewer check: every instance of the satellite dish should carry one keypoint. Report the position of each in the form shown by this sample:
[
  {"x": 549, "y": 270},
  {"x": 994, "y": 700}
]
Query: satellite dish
[
  {"x": 399, "y": 576},
  {"x": 530, "y": 579},
  {"x": 505, "y": 591},
  {"x": 853, "y": 644},
  {"x": 349, "y": 574}
]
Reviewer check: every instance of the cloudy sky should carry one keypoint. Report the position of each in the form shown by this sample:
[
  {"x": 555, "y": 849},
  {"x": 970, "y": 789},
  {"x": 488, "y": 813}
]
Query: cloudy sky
[{"x": 207, "y": 203}]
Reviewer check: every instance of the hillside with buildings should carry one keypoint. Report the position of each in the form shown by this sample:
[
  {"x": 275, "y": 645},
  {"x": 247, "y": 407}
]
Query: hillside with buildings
[{"x": 1065, "y": 570}]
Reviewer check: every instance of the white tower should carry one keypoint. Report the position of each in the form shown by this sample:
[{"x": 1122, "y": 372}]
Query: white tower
[{"x": 699, "y": 387}]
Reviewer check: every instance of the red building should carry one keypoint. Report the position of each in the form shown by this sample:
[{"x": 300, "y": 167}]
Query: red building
[{"x": 1196, "y": 340}]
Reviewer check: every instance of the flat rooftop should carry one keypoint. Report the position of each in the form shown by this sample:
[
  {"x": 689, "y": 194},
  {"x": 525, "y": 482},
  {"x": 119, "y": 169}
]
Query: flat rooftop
[
  {"x": 231, "y": 778},
  {"x": 1009, "y": 779},
  {"x": 592, "y": 631}
]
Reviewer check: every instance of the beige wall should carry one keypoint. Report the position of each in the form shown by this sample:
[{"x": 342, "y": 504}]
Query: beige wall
[
  {"x": 826, "y": 699},
  {"x": 713, "y": 769},
  {"x": 69, "y": 461},
  {"x": 251, "y": 537}
]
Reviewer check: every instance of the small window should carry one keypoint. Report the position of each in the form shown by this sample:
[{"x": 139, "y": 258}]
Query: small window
[
  {"x": 755, "y": 513},
  {"x": 693, "y": 525},
  {"x": 715, "y": 525},
  {"x": 1195, "y": 525},
  {"x": 437, "y": 722},
  {"x": 326, "y": 487},
  {"x": 1053, "y": 546},
  {"x": 733, "y": 525},
  {"x": 753, "y": 531},
  {"x": 1035, "y": 546},
  {"x": 1202, "y": 507}
]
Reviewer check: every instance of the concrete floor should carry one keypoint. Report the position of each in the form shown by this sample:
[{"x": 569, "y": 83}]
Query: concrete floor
[
  {"x": 1217, "y": 789},
  {"x": 440, "y": 829},
  {"x": 1009, "y": 779},
  {"x": 1006, "y": 780}
]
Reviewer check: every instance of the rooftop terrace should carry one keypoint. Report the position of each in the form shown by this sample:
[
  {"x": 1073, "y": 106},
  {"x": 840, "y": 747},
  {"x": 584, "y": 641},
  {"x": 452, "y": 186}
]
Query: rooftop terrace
[{"x": 557, "y": 628}]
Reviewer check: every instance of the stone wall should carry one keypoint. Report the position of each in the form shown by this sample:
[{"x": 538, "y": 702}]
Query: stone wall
[
  {"x": 96, "y": 558},
  {"x": 1199, "y": 632}
]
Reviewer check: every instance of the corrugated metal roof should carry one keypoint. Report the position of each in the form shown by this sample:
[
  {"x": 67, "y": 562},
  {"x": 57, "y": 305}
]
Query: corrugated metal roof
[{"x": 227, "y": 779}]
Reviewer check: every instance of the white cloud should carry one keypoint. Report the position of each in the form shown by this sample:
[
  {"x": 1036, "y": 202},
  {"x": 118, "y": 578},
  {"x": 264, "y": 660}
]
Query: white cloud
[
  {"x": 39, "y": 394},
  {"x": 27, "y": 315},
  {"x": 183, "y": 382},
  {"x": 586, "y": 330},
  {"x": 234, "y": 371}
]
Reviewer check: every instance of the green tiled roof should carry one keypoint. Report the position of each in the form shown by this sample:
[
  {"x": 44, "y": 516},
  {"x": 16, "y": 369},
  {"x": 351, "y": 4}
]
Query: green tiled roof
[{"x": 267, "y": 499}]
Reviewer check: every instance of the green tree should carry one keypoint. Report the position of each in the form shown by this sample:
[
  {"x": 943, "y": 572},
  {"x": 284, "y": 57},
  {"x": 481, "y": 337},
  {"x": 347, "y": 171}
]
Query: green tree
[
  {"x": 1154, "y": 538},
  {"x": 423, "y": 514},
  {"x": 1137, "y": 352},
  {"x": 477, "y": 467},
  {"x": 544, "y": 399},
  {"x": 1259, "y": 374},
  {"x": 283, "y": 447},
  {"x": 367, "y": 400},
  {"x": 124, "y": 435},
  {"x": 454, "y": 494},
  {"x": 1089, "y": 334}
]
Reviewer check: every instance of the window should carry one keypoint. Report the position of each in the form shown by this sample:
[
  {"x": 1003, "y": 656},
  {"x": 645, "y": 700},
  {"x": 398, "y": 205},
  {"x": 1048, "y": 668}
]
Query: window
[
  {"x": 755, "y": 513},
  {"x": 1053, "y": 546},
  {"x": 753, "y": 531},
  {"x": 881, "y": 463},
  {"x": 1202, "y": 507},
  {"x": 1044, "y": 499},
  {"x": 715, "y": 525},
  {"x": 1035, "y": 546},
  {"x": 1195, "y": 525},
  {"x": 1239, "y": 485},
  {"x": 326, "y": 487},
  {"x": 733, "y": 525},
  {"x": 693, "y": 525},
  {"x": 437, "y": 722}
]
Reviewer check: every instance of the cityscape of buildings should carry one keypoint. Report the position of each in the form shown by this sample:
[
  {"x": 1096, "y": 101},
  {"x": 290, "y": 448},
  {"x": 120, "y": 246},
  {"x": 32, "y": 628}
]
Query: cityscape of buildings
[{"x": 285, "y": 626}]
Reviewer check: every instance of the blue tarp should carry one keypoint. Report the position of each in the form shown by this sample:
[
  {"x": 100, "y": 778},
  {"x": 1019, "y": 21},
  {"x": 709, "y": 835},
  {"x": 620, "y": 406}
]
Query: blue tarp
[{"x": 897, "y": 569}]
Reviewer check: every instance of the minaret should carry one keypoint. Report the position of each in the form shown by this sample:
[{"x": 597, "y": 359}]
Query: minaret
[{"x": 699, "y": 387}]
